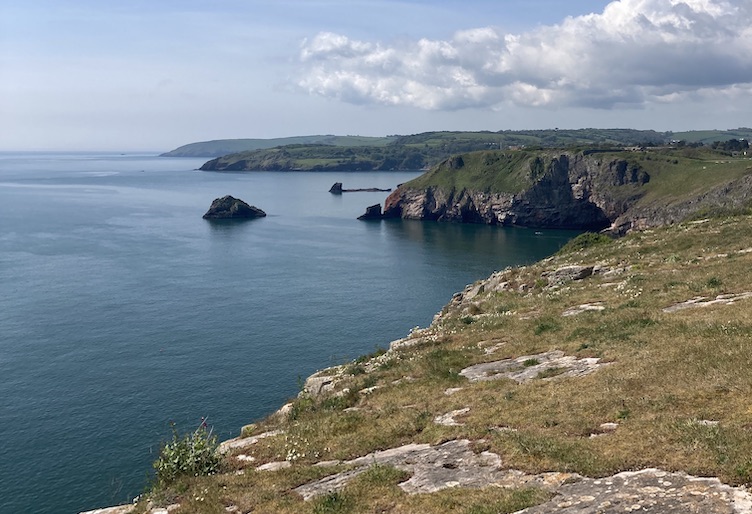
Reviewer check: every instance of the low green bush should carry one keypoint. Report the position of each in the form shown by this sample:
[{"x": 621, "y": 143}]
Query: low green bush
[{"x": 193, "y": 454}]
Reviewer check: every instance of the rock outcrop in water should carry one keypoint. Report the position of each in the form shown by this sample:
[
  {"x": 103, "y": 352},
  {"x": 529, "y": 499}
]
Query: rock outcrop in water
[
  {"x": 229, "y": 207},
  {"x": 372, "y": 213},
  {"x": 337, "y": 189}
]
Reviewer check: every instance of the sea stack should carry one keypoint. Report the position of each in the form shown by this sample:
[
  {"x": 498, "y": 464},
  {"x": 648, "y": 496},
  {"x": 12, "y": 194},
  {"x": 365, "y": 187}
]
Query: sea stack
[
  {"x": 228, "y": 207},
  {"x": 372, "y": 213}
]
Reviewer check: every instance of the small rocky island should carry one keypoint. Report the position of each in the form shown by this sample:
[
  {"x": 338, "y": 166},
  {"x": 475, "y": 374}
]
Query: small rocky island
[
  {"x": 372, "y": 213},
  {"x": 337, "y": 189},
  {"x": 229, "y": 207}
]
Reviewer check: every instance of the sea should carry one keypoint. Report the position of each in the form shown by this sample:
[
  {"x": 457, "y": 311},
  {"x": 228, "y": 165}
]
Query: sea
[{"x": 123, "y": 311}]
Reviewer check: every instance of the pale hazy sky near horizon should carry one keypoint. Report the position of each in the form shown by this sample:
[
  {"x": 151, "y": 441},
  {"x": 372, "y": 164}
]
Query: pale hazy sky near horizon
[{"x": 156, "y": 74}]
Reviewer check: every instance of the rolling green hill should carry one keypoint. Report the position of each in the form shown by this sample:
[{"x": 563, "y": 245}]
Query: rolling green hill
[
  {"x": 221, "y": 147},
  {"x": 709, "y": 136},
  {"x": 417, "y": 151},
  {"x": 335, "y": 153}
]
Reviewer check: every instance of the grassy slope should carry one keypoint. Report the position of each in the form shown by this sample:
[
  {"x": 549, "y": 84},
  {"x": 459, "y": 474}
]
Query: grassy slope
[
  {"x": 229, "y": 146},
  {"x": 432, "y": 147},
  {"x": 709, "y": 136},
  {"x": 490, "y": 171},
  {"x": 667, "y": 372}
]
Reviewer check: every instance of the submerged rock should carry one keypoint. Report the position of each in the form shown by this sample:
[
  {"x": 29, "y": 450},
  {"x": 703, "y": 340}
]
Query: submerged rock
[{"x": 229, "y": 207}]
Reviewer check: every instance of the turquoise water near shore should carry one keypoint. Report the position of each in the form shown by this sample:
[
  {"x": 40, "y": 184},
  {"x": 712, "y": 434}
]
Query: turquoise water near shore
[{"x": 122, "y": 310}]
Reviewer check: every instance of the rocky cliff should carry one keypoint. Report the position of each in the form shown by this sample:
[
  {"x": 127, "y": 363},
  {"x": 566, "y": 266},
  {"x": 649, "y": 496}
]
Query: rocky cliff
[{"x": 578, "y": 190}]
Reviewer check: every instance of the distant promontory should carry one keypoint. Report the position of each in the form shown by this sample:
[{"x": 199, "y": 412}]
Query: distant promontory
[
  {"x": 592, "y": 189},
  {"x": 417, "y": 151}
]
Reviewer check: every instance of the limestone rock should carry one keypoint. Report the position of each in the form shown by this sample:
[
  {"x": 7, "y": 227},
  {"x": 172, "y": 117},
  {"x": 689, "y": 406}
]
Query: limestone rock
[
  {"x": 529, "y": 367},
  {"x": 433, "y": 468},
  {"x": 568, "y": 274},
  {"x": 229, "y": 207},
  {"x": 649, "y": 490},
  {"x": 448, "y": 420},
  {"x": 585, "y": 307},
  {"x": 701, "y": 301},
  {"x": 274, "y": 466},
  {"x": 245, "y": 442},
  {"x": 120, "y": 509}
]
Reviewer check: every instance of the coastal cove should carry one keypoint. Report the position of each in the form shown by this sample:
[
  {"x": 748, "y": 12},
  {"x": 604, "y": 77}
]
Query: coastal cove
[{"x": 123, "y": 310}]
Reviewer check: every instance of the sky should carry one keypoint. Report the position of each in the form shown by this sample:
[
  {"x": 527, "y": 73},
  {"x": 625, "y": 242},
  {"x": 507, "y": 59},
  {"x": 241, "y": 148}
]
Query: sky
[{"x": 152, "y": 75}]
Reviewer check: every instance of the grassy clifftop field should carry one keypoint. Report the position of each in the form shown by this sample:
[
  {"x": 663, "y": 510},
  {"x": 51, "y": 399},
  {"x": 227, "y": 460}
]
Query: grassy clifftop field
[{"x": 540, "y": 387}]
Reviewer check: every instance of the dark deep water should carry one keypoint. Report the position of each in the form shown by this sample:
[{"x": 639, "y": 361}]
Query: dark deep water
[{"x": 122, "y": 310}]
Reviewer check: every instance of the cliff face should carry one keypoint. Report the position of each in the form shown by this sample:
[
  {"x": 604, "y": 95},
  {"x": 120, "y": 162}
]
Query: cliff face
[{"x": 567, "y": 191}]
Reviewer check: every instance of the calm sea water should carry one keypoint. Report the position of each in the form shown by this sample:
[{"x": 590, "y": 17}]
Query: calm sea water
[{"x": 122, "y": 309}]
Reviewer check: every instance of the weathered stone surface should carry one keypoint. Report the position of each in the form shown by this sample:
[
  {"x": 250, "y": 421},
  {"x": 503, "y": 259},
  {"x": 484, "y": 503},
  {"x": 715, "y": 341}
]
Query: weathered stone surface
[
  {"x": 649, "y": 490},
  {"x": 274, "y": 466},
  {"x": 433, "y": 468},
  {"x": 120, "y": 509},
  {"x": 336, "y": 189},
  {"x": 322, "y": 381},
  {"x": 567, "y": 274},
  {"x": 244, "y": 442},
  {"x": 702, "y": 301},
  {"x": 229, "y": 207},
  {"x": 585, "y": 307},
  {"x": 529, "y": 367},
  {"x": 448, "y": 420},
  {"x": 127, "y": 509},
  {"x": 372, "y": 213},
  {"x": 407, "y": 342}
]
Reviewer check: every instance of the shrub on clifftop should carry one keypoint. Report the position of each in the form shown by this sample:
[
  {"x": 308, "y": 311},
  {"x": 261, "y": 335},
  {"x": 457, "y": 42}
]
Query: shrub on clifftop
[{"x": 192, "y": 454}]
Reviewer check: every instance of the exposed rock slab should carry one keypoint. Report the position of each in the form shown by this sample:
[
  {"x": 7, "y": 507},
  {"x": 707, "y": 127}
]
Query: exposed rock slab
[
  {"x": 120, "y": 509},
  {"x": 585, "y": 307},
  {"x": 448, "y": 420},
  {"x": 649, "y": 490},
  {"x": 322, "y": 381},
  {"x": 702, "y": 301},
  {"x": 529, "y": 367},
  {"x": 229, "y": 207},
  {"x": 568, "y": 274},
  {"x": 274, "y": 466},
  {"x": 244, "y": 442},
  {"x": 433, "y": 468}
]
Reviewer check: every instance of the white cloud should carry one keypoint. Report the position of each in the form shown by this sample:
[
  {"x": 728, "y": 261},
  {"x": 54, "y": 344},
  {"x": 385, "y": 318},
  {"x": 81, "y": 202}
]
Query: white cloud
[{"x": 634, "y": 53}]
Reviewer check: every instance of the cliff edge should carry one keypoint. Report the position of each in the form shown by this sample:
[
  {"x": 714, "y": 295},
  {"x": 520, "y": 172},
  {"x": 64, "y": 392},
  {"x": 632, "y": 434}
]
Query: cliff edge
[{"x": 586, "y": 189}]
